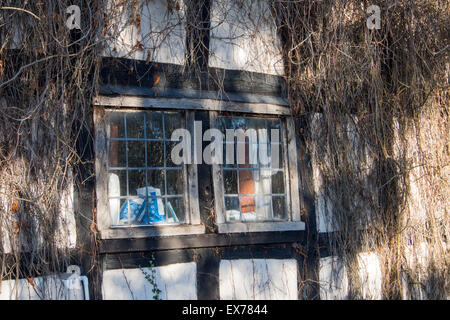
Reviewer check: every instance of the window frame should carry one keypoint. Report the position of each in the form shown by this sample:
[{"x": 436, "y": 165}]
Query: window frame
[
  {"x": 291, "y": 177},
  {"x": 104, "y": 224}
]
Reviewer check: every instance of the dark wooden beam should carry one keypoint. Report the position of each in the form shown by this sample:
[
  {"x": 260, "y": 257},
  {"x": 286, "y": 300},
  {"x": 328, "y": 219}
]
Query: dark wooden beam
[{"x": 199, "y": 241}]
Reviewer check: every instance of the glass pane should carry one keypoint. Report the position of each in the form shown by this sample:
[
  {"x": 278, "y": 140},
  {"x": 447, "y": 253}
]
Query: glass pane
[
  {"x": 117, "y": 183},
  {"x": 175, "y": 210},
  {"x": 279, "y": 208},
  {"x": 248, "y": 208},
  {"x": 229, "y": 157},
  {"x": 256, "y": 123},
  {"x": 278, "y": 182},
  {"x": 232, "y": 209},
  {"x": 246, "y": 182},
  {"x": 239, "y": 123},
  {"x": 263, "y": 182},
  {"x": 122, "y": 214},
  {"x": 275, "y": 124},
  {"x": 135, "y": 125},
  {"x": 117, "y": 154},
  {"x": 172, "y": 121},
  {"x": 136, "y": 180},
  {"x": 156, "y": 180},
  {"x": 277, "y": 160},
  {"x": 136, "y": 154},
  {"x": 263, "y": 208},
  {"x": 132, "y": 211},
  {"x": 154, "y": 125},
  {"x": 114, "y": 210},
  {"x": 225, "y": 123},
  {"x": 155, "y": 154},
  {"x": 174, "y": 182},
  {"x": 116, "y": 125},
  {"x": 169, "y": 147},
  {"x": 230, "y": 181},
  {"x": 264, "y": 155},
  {"x": 154, "y": 210}
]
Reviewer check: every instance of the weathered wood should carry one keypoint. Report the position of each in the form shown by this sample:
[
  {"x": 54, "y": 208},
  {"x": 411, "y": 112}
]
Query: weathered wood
[
  {"x": 189, "y": 104},
  {"x": 293, "y": 170},
  {"x": 101, "y": 171},
  {"x": 192, "y": 176},
  {"x": 150, "y": 231},
  {"x": 135, "y": 73},
  {"x": 120, "y": 90},
  {"x": 208, "y": 264},
  {"x": 198, "y": 241},
  {"x": 313, "y": 247},
  {"x": 219, "y": 201},
  {"x": 260, "y": 226}
]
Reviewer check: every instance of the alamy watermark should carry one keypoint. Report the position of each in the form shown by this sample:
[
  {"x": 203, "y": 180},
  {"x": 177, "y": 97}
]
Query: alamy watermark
[
  {"x": 374, "y": 21},
  {"x": 74, "y": 19},
  {"x": 252, "y": 147}
]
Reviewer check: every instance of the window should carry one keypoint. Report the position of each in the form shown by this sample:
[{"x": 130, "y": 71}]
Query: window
[
  {"x": 144, "y": 187},
  {"x": 253, "y": 190},
  {"x": 256, "y": 185}
]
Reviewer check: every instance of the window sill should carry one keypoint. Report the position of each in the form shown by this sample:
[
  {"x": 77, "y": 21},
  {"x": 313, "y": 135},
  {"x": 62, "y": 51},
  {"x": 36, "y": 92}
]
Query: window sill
[
  {"x": 260, "y": 226},
  {"x": 151, "y": 231}
]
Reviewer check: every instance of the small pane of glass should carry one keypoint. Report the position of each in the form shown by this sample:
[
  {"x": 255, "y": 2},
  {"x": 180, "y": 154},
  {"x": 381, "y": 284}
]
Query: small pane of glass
[
  {"x": 156, "y": 180},
  {"x": 230, "y": 181},
  {"x": 132, "y": 211},
  {"x": 279, "y": 208},
  {"x": 277, "y": 150},
  {"x": 117, "y": 183},
  {"x": 135, "y": 125},
  {"x": 232, "y": 209},
  {"x": 154, "y": 125},
  {"x": 263, "y": 208},
  {"x": 172, "y": 121},
  {"x": 174, "y": 182},
  {"x": 275, "y": 124},
  {"x": 246, "y": 182},
  {"x": 175, "y": 210},
  {"x": 169, "y": 161},
  {"x": 136, "y": 180},
  {"x": 247, "y": 204},
  {"x": 117, "y": 154},
  {"x": 116, "y": 125},
  {"x": 155, "y": 154},
  {"x": 225, "y": 123},
  {"x": 278, "y": 182},
  {"x": 229, "y": 157},
  {"x": 136, "y": 154}
]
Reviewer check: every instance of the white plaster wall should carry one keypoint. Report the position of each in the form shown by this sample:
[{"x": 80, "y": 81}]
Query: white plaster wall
[
  {"x": 161, "y": 33},
  {"x": 333, "y": 279},
  {"x": 257, "y": 279},
  {"x": 324, "y": 208},
  {"x": 65, "y": 235},
  {"x": 244, "y": 37},
  {"x": 176, "y": 282},
  {"x": 418, "y": 262},
  {"x": 370, "y": 275},
  {"x": 53, "y": 287}
]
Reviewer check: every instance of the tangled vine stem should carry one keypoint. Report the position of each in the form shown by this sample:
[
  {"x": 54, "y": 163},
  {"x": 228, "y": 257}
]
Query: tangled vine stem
[{"x": 376, "y": 103}]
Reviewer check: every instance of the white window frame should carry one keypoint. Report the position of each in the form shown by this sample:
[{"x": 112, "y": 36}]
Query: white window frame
[
  {"x": 291, "y": 186},
  {"x": 107, "y": 230}
]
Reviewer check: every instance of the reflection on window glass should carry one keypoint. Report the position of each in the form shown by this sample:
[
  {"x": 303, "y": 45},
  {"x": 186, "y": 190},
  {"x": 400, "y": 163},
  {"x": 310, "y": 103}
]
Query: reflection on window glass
[
  {"x": 145, "y": 187},
  {"x": 254, "y": 189}
]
